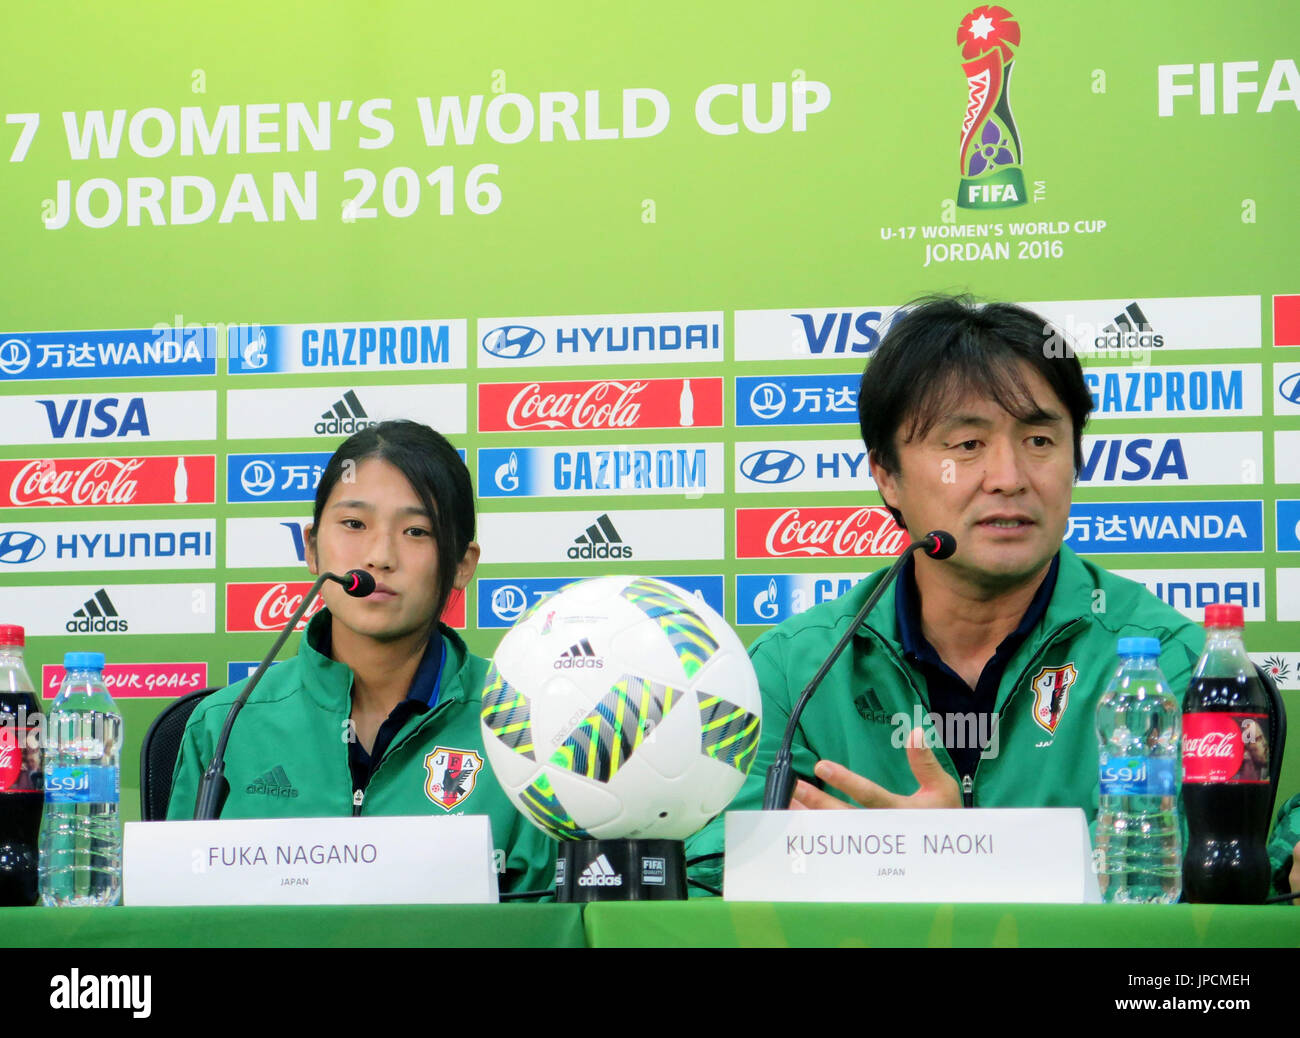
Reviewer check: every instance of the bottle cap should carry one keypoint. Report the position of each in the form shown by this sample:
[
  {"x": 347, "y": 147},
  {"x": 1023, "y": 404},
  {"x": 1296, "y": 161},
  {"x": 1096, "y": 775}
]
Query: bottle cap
[
  {"x": 12, "y": 634},
  {"x": 83, "y": 661},
  {"x": 1223, "y": 615},
  {"x": 1139, "y": 646}
]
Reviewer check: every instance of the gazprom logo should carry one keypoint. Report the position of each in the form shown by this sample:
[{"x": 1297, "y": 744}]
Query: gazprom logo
[
  {"x": 507, "y": 475},
  {"x": 514, "y": 341},
  {"x": 19, "y": 546},
  {"x": 772, "y": 466},
  {"x": 255, "y": 352},
  {"x": 766, "y": 606}
]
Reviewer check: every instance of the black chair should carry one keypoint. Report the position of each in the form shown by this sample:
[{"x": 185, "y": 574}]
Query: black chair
[
  {"x": 1276, "y": 736},
  {"x": 162, "y": 744}
]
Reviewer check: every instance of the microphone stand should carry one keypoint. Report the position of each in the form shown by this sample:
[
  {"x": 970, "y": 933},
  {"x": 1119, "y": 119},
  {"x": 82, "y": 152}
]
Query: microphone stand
[
  {"x": 780, "y": 776},
  {"x": 213, "y": 787}
]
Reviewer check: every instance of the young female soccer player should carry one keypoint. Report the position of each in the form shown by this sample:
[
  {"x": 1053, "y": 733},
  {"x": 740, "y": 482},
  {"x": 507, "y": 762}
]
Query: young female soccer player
[{"x": 378, "y": 713}]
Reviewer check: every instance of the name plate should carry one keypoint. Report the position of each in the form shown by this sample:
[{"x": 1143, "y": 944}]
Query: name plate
[
  {"x": 976, "y": 854},
  {"x": 310, "y": 861}
]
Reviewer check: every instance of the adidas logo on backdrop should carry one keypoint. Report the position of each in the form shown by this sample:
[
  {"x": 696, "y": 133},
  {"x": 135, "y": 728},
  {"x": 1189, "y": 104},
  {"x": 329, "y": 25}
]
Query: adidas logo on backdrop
[
  {"x": 346, "y": 417},
  {"x": 98, "y": 614},
  {"x": 600, "y": 541},
  {"x": 600, "y": 874},
  {"x": 1129, "y": 330}
]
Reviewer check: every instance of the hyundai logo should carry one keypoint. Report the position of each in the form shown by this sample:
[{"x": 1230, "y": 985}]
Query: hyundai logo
[
  {"x": 18, "y": 546},
  {"x": 1290, "y": 388},
  {"x": 772, "y": 466},
  {"x": 767, "y": 401},
  {"x": 514, "y": 342},
  {"x": 508, "y": 602},
  {"x": 15, "y": 355},
  {"x": 257, "y": 478}
]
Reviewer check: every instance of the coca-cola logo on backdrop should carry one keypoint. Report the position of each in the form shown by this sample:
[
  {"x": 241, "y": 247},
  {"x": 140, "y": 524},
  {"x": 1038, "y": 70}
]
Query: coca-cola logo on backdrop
[
  {"x": 657, "y": 403},
  {"x": 267, "y": 606},
  {"x": 150, "y": 480},
  {"x": 817, "y": 533}
]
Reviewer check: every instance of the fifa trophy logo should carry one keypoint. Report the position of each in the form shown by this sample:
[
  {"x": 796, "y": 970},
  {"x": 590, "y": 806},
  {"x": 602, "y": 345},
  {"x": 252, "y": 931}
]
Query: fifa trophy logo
[{"x": 990, "y": 156}]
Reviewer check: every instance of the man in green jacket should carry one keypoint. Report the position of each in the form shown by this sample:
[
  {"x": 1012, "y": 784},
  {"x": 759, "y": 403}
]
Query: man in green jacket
[
  {"x": 289, "y": 754},
  {"x": 976, "y": 681}
]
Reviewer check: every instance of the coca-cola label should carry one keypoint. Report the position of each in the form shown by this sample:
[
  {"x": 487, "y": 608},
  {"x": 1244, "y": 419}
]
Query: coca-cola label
[
  {"x": 265, "y": 606},
  {"x": 137, "y": 680},
  {"x": 650, "y": 403},
  {"x": 763, "y": 533},
  {"x": 153, "y": 480},
  {"x": 1225, "y": 748},
  {"x": 20, "y": 760}
]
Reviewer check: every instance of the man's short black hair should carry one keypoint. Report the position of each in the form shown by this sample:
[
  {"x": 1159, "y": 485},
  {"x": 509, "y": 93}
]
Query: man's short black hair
[{"x": 947, "y": 347}]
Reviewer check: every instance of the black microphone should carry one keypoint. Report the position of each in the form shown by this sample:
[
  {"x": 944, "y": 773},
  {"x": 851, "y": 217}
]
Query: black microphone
[
  {"x": 213, "y": 787},
  {"x": 358, "y": 583},
  {"x": 941, "y": 544},
  {"x": 938, "y": 544}
]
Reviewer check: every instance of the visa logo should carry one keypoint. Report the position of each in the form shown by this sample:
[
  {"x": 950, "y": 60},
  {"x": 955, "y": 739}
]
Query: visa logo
[
  {"x": 1103, "y": 460},
  {"x": 299, "y": 539},
  {"x": 832, "y": 332},
  {"x": 107, "y": 422}
]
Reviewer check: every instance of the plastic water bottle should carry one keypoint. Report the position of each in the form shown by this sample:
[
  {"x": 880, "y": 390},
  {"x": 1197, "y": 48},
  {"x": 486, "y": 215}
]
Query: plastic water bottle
[
  {"x": 81, "y": 833},
  {"x": 1138, "y": 846}
]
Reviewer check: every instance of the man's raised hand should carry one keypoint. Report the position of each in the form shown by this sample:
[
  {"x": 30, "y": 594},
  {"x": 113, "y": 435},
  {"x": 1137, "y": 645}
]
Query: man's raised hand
[{"x": 938, "y": 788}]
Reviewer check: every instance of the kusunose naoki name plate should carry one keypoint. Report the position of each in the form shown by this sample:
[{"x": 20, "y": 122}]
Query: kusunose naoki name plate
[{"x": 973, "y": 855}]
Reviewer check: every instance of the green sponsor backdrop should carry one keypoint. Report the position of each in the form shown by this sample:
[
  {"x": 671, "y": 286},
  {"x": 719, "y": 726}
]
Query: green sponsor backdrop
[{"x": 684, "y": 220}]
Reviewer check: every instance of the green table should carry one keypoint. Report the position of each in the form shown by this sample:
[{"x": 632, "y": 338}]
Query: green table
[
  {"x": 298, "y": 926},
  {"x": 711, "y": 923},
  {"x": 696, "y": 923}
]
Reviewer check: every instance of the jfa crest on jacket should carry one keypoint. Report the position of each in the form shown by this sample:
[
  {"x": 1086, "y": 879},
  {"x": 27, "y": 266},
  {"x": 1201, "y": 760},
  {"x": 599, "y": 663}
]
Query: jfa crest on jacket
[
  {"x": 1051, "y": 687},
  {"x": 452, "y": 774}
]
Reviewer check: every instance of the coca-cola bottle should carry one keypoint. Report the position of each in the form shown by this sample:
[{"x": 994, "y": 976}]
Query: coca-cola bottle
[
  {"x": 1225, "y": 770},
  {"x": 21, "y": 782}
]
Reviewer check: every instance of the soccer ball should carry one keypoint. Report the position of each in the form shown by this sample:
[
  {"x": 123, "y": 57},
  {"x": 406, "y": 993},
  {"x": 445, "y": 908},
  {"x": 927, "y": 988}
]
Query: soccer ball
[{"x": 621, "y": 707}]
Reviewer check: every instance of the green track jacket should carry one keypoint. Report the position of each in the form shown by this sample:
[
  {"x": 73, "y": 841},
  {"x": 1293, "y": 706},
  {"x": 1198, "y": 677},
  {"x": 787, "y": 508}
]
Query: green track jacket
[
  {"x": 288, "y": 756},
  {"x": 1045, "y": 750}
]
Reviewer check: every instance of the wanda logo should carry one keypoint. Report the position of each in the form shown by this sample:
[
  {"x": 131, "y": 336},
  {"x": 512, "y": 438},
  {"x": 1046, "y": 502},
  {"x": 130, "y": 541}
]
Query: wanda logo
[
  {"x": 834, "y": 532},
  {"x": 275, "y": 607},
  {"x": 102, "y": 481},
  {"x": 603, "y": 405}
]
